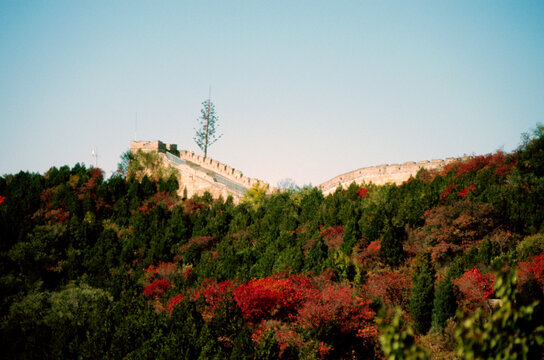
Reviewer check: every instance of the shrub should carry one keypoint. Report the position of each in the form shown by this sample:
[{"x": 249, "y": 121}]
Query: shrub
[
  {"x": 393, "y": 288},
  {"x": 475, "y": 288},
  {"x": 157, "y": 288},
  {"x": 505, "y": 334}
]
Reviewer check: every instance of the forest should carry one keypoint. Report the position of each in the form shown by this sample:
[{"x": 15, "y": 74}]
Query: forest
[{"x": 448, "y": 265}]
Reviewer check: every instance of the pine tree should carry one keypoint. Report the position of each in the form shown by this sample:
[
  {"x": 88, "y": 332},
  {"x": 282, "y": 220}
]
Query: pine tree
[
  {"x": 421, "y": 303},
  {"x": 445, "y": 303},
  {"x": 391, "y": 250},
  {"x": 206, "y": 133}
]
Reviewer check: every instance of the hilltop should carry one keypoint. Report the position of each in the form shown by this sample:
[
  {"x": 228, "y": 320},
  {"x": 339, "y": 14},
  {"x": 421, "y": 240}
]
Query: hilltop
[{"x": 446, "y": 263}]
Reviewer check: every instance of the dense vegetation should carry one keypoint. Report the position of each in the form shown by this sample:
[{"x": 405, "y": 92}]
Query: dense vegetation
[{"x": 124, "y": 268}]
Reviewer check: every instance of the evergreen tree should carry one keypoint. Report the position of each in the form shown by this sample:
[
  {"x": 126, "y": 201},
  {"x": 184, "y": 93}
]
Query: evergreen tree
[
  {"x": 391, "y": 250},
  {"x": 205, "y": 135},
  {"x": 445, "y": 303},
  {"x": 421, "y": 303}
]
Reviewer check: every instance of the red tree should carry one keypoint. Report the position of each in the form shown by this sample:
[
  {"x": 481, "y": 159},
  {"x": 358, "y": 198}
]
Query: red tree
[
  {"x": 534, "y": 268},
  {"x": 475, "y": 288},
  {"x": 157, "y": 288}
]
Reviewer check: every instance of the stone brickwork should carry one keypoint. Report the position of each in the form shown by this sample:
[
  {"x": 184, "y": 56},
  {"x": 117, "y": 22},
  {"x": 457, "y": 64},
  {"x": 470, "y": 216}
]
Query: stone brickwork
[
  {"x": 383, "y": 174},
  {"x": 199, "y": 174},
  {"x": 222, "y": 169}
]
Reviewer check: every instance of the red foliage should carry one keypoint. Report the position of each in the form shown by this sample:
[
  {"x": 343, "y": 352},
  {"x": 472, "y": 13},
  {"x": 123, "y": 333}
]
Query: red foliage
[
  {"x": 212, "y": 293},
  {"x": 201, "y": 242},
  {"x": 369, "y": 256},
  {"x": 393, "y": 288},
  {"x": 336, "y": 305},
  {"x": 176, "y": 299},
  {"x": 475, "y": 287},
  {"x": 373, "y": 249},
  {"x": 444, "y": 251},
  {"x": 188, "y": 270},
  {"x": 163, "y": 270},
  {"x": 534, "y": 268},
  {"x": 451, "y": 167},
  {"x": 461, "y": 223},
  {"x": 501, "y": 164},
  {"x": 157, "y": 288},
  {"x": 285, "y": 334},
  {"x": 473, "y": 165},
  {"x": 426, "y": 176},
  {"x": 332, "y": 236},
  {"x": 271, "y": 298},
  {"x": 466, "y": 191},
  {"x": 363, "y": 192},
  {"x": 2, "y": 198},
  {"x": 162, "y": 198},
  {"x": 324, "y": 349},
  {"x": 495, "y": 161},
  {"x": 450, "y": 189},
  {"x": 192, "y": 206},
  {"x": 53, "y": 212},
  {"x": 60, "y": 215},
  {"x": 89, "y": 188}
]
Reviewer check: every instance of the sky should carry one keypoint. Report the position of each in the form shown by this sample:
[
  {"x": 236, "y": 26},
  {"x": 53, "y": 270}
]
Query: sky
[{"x": 305, "y": 90}]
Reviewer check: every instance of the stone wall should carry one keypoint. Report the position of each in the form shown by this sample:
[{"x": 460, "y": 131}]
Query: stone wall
[
  {"x": 383, "y": 174},
  {"x": 196, "y": 180},
  {"x": 202, "y": 177},
  {"x": 222, "y": 169},
  {"x": 147, "y": 146}
]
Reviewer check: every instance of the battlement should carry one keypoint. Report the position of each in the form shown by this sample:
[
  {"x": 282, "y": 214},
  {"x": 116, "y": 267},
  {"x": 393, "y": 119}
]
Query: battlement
[
  {"x": 219, "y": 168},
  {"x": 199, "y": 174},
  {"x": 156, "y": 145},
  {"x": 387, "y": 173}
]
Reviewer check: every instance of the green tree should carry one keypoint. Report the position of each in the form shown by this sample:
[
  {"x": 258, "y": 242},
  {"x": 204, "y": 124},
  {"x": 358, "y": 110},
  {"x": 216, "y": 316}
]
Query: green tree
[
  {"x": 508, "y": 333},
  {"x": 256, "y": 195},
  {"x": 398, "y": 341},
  {"x": 445, "y": 303},
  {"x": 421, "y": 303},
  {"x": 206, "y": 133},
  {"x": 391, "y": 250}
]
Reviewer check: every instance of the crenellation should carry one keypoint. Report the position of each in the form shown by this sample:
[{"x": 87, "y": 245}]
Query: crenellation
[
  {"x": 386, "y": 173},
  {"x": 197, "y": 181}
]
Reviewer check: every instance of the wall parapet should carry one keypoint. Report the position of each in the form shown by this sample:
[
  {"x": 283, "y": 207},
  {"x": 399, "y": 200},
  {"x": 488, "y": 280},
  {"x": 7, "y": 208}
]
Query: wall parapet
[
  {"x": 220, "y": 168},
  {"x": 223, "y": 170},
  {"x": 386, "y": 173}
]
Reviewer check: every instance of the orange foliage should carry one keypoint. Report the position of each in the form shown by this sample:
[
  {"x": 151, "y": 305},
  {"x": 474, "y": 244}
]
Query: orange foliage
[
  {"x": 392, "y": 287},
  {"x": 332, "y": 236}
]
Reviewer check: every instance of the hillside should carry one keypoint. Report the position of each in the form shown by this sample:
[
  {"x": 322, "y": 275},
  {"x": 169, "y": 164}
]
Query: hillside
[{"x": 450, "y": 261}]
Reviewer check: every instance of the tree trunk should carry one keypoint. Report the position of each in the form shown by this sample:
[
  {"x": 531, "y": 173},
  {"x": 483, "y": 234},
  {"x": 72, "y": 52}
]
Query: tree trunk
[{"x": 207, "y": 124}]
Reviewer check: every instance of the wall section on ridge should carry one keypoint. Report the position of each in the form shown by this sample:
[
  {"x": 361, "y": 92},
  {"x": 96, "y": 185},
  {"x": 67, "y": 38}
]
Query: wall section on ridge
[
  {"x": 384, "y": 174},
  {"x": 198, "y": 174}
]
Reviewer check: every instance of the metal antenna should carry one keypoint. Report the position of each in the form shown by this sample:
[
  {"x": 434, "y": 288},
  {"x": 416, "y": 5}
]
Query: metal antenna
[{"x": 95, "y": 155}]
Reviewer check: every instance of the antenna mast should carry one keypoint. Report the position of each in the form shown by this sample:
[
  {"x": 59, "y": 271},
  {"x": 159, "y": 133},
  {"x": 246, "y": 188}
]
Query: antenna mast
[{"x": 95, "y": 155}]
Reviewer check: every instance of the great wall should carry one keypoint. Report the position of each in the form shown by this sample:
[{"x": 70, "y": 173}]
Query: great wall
[
  {"x": 199, "y": 174},
  {"x": 383, "y": 174}
]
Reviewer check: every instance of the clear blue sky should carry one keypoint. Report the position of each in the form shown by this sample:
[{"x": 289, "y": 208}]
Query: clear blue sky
[{"x": 303, "y": 89}]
